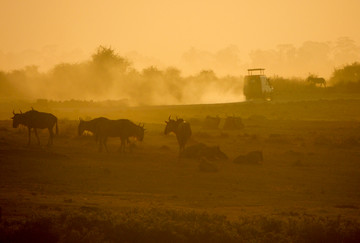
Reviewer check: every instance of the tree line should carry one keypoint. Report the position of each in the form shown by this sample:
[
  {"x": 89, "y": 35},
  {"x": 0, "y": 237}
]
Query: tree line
[{"x": 109, "y": 76}]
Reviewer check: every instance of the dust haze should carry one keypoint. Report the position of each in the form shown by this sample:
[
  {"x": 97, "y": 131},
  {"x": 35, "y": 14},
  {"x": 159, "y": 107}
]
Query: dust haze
[
  {"x": 200, "y": 77},
  {"x": 109, "y": 76},
  {"x": 149, "y": 135}
]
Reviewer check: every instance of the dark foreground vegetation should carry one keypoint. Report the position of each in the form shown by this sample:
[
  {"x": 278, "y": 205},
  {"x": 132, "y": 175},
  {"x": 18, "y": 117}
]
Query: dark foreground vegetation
[{"x": 89, "y": 224}]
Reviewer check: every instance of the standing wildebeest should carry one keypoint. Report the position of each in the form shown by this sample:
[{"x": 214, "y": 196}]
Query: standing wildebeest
[
  {"x": 90, "y": 126},
  {"x": 122, "y": 128},
  {"x": 315, "y": 80},
  {"x": 181, "y": 129},
  {"x": 35, "y": 119}
]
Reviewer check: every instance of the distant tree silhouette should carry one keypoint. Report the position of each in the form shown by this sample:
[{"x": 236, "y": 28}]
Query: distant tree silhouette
[
  {"x": 151, "y": 73},
  {"x": 346, "y": 51},
  {"x": 207, "y": 75},
  {"x": 106, "y": 57}
]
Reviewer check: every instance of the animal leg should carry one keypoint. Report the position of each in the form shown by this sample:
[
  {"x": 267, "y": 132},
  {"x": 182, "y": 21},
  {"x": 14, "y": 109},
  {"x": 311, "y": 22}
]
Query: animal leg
[
  {"x": 100, "y": 145},
  {"x": 37, "y": 136},
  {"x": 101, "y": 142},
  {"x": 29, "y": 140},
  {"x": 181, "y": 149},
  {"x": 126, "y": 141},
  {"x": 105, "y": 145},
  {"x": 122, "y": 145}
]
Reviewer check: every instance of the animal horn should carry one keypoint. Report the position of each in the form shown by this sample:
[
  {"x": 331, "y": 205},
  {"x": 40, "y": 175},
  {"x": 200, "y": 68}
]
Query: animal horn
[
  {"x": 20, "y": 111},
  {"x": 13, "y": 112},
  {"x": 169, "y": 117},
  {"x": 32, "y": 108}
]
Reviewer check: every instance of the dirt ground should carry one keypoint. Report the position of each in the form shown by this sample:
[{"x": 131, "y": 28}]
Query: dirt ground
[{"x": 311, "y": 163}]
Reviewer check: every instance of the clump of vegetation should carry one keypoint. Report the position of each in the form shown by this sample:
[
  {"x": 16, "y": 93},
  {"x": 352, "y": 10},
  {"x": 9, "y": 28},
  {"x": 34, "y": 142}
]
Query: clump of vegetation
[
  {"x": 162, "y": 225},
  {"x": 347, "y": 78},
  {"x": 293, "y": 88}
]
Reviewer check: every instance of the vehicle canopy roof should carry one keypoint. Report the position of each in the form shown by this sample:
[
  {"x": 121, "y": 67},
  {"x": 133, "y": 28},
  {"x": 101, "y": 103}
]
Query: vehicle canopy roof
[{"x": 260, "y": 70}]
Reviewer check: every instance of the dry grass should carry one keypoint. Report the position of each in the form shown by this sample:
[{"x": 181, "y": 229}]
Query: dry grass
[
  {"x": 309, "y": 176},
  {"x": 89, "y": 224}
]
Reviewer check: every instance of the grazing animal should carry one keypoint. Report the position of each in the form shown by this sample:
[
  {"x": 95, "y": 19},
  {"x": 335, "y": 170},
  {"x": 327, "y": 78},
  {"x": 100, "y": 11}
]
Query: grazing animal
[
  {"x": 315, "y": 80},
  {"x": 90, "y": 126},
  {"x": 181, "y": 129},
  {"x": 122, "y": 128},
  {"x": 200, "y": 150},
  {"x": 211, "y": 122},
  {"x": 251, "y": 158},
  {"x": 34, "y": 119}
]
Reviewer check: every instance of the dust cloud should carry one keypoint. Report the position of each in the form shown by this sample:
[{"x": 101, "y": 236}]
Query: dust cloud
[{"x": 109, "y": 76}]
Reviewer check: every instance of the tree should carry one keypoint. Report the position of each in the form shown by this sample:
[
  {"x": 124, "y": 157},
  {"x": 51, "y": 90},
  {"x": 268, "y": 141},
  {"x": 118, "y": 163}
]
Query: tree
[
  {"x": 347, "y": 74},
  {"x": 106, "y": 58},
  {"x": 152, "y": 73},
  {"x": 346, "y": 51}
]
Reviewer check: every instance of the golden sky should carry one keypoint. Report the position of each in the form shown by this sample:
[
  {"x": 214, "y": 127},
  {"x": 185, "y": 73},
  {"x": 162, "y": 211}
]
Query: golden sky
[{"x": 165, "y": 29}]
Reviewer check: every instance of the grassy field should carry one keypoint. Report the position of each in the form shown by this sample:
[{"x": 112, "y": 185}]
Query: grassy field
[{"x": 305, "y": 190}]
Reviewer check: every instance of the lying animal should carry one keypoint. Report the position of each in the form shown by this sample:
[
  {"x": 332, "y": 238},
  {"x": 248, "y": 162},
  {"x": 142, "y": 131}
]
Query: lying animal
[{"x": 200, "y": 150}]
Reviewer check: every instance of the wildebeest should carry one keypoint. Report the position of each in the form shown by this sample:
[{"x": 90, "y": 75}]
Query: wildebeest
[
  {"x": 122, "y": 128},
  {"x": 200, "y": 150},
  {"x": 90, "y": 126},
  {"x": 34, "y": 119},
  {"x": 181, "y": 129},
  {"x": 316, "y": 80}
]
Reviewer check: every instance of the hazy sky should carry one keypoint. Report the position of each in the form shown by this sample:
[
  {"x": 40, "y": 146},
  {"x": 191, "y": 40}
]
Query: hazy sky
[{"x": 164, "y": 29}]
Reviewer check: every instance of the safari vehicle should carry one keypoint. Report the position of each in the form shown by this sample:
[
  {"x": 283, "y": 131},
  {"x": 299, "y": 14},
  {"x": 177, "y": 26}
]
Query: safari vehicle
[{"x": 256, "y": 85}]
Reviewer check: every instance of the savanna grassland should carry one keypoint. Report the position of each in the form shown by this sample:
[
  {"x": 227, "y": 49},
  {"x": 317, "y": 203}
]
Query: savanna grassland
[{"x": 306, "y": 189}]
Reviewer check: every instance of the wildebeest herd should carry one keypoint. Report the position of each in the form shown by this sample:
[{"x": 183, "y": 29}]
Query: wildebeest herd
[{"x": 102, "y": 128}]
